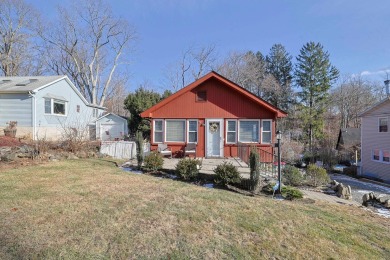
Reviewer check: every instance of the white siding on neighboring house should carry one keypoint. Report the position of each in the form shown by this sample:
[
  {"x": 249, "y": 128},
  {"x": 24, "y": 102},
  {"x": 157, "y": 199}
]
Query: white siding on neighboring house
[
  {"x": 111, "y": 127},
  {"x": 374, "y": 141}
]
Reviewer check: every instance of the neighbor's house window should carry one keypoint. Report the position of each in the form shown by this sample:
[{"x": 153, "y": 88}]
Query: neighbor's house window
[
  {"x": 383, "y": 124},
  {"x": 376, "y": 155},
  {"x": 55, "y": 106},
  {"x": 201, "y": 96},
  {"x": 175, "y": 130},
  {"x": 95, "y": 112},
  {"x": 192, "y": 131},
  {"x": 386, "y": 156},
  {"x": 158, "y": 131},
  {"x": 231, "y": 132},
  {"x": 248, "y": 131},
  {"x": 266, "y": 133},
  {"x": 78, "y": 108}
]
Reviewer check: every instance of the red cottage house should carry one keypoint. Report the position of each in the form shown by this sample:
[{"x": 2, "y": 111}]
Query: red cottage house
[{"x": 217, "y": 115}]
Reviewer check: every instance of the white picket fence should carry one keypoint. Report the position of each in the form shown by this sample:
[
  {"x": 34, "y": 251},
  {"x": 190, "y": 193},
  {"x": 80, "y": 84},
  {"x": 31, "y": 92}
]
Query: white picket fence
[{"x": 121, "y": 149}]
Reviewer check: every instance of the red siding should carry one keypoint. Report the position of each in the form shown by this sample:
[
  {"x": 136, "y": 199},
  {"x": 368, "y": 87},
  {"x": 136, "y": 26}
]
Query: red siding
[{"x": 222, "y": 102}]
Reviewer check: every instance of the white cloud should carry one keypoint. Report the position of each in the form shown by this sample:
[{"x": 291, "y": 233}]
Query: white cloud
[{"x": 375, "y": 73}]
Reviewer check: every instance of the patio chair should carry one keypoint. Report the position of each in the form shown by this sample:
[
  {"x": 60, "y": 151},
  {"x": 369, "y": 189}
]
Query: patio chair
[
  {"x": 190, "y": 149},
  {"x": 164, "y": 150}
]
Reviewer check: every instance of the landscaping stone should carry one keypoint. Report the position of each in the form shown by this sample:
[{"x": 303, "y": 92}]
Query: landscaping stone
[
  {"x": 387, "y": 204},
  {"x": 344, "y": 192}
]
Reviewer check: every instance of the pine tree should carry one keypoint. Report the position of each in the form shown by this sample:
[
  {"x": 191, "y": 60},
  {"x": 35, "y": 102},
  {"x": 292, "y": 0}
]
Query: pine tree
[
  {"x": 314, "y": 75},
  {"x": 279, "y": 65}
]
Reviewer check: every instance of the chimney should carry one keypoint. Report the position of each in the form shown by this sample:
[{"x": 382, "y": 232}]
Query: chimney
[{"x": 387, "y": 83}]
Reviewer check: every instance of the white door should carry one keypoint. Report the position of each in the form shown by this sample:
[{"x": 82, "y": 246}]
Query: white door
[
  {"x": 214, "y": 137},
  {"x": 111, "y": 131}
]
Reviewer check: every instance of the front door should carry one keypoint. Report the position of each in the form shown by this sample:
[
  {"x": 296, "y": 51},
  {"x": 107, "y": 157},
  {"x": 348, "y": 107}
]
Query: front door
[{"x": 214, "y": 137}]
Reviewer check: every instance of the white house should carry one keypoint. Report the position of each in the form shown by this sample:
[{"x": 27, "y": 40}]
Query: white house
[
  {"x": 375, "y": 141},
  {"x": 49, "y": 106}
]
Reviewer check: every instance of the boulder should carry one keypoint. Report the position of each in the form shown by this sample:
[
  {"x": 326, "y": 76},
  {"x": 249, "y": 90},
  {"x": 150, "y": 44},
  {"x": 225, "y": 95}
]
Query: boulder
[
  {"x": 344, "y": 192},
  {"x": 383, "y": 198},
  {"x": 366, "y": 199},
  {"x": 387, "y": 204}
]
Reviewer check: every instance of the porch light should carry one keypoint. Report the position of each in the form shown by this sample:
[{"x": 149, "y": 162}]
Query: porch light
[{"x": 278, "y": 135}]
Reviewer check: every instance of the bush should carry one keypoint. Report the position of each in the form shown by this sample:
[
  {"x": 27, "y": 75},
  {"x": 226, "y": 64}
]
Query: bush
[
  {"x": 188, "y": 168},
  {"x": 291, "y": 193},
  {"x": 292, "y": 176},
  {"x": 254, "y": 161},
  {"x": 226, "y": 173},
  {"x": 153, "y": 162},
  {"x": 351, "y": 170},
  {"x": 316, "y": 175},
  {"x": 139, "y": 141}
]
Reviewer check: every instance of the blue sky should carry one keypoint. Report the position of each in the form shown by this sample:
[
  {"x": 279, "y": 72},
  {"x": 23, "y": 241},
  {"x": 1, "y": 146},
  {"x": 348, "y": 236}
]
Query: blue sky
[{"x": 356, "y": 33}]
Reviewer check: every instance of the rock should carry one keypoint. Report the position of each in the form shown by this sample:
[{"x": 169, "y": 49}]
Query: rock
[
  {"x": 382, "y": 198},
  {"x": 366, "y": 199},
  {"x": 344, "y": 192},
  {"x": 9, "y": 157},
  {"x": 387, "y": 204},
  {"x": 372, "y": 196},
  {"x": 82, "y": 154}
]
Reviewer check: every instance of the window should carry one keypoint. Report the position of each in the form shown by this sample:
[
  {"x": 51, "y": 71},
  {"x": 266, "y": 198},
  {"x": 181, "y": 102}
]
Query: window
[
  {"x": 376, "y": 155},
  {"x": 158, "y": 131},
  {"x": 55, "y": 107},
  {"x": 248, "y": 131},
  {"x": 192, "y": 131},
  {"x": 231, "y": 132},
  {"x": 175, "y": 130},
  {"x": 383, "y": 124},
  {"x": 386, "y": 156},
  {"x": 78, "y": 108},
  {"x": 266, "y": 135},
  {"x": 201, "y": 96}
]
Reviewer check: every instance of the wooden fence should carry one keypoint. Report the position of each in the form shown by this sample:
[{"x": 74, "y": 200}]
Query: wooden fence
[{"x": 122, "y": 149}]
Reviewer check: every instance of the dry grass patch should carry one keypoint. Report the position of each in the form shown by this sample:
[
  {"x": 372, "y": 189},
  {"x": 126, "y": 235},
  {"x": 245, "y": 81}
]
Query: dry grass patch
[{"x": 90, "y": 209}]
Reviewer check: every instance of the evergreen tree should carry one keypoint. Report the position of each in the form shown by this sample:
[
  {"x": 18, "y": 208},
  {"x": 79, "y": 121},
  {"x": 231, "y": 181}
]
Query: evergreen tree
[
  {"x": 138, "y": 102},
  {"x": 314, "y": 75},
  {"x": 279, "y": 65}
]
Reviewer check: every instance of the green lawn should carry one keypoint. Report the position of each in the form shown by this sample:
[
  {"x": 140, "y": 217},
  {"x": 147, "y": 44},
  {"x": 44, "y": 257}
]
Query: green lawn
[{"x": 89, "y": 209}]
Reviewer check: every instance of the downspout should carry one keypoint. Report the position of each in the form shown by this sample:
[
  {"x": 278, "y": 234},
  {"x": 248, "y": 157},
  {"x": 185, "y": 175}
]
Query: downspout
[{"x": 34, "y": 119}]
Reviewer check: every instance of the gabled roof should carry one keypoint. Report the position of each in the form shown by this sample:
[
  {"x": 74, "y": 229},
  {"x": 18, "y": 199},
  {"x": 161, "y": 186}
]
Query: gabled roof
[
  {"x": 25, "y": 84},
  {"x": 31, "y": 84},
  {"x": 105, "y": 115},
  {"x": 213, "y": 75},
  {"x": 348, "y": 137},
  {"x": 373, "y": 107}
]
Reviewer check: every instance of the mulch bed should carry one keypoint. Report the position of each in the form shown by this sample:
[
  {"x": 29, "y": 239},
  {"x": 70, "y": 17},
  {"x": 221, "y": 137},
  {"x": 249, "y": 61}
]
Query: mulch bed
[{"x": 9, "y": 141}]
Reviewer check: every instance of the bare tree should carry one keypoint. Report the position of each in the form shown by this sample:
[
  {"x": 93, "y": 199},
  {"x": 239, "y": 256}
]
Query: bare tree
[
  {"x": 351, "y": 97},
  {"x": 193, "y": 64},
  {"x": 89, "y": 43},
  {"x": 116, "y": 99},
  {"x": 18, "y": 55}
]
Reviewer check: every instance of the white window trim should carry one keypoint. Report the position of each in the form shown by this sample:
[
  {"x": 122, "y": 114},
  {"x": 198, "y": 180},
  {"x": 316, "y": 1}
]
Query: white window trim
[
  {"x": 250, "y": 120},
  {"x": 261, "y": 131},
  {"x": 162, "y": 130},
  {"x": 380, "y": 156},
  {"x": 165, "y": 130},
  {"x": 52, "y": 100},
  {"x": 379, "y": 124},
  {"x": 188, "y": 131},
  {"x": 227, "y": 131}
]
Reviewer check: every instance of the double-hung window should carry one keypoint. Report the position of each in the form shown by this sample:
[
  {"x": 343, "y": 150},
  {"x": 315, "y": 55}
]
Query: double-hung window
[
  {"x": 192, "y": 131},
  {"x": 248, "y": 131},
  {"x": 231, "y": 132},
  {"x": 175, "y": 130},
  {"x": 376, "y": 155},
  {"x": 383, "y": 124},
  {"x": 266, "y": 133},
  {"x": 158, "y": 131},
  {"x": 386, "y": 156},
  {"x": 55, "y": 107}
]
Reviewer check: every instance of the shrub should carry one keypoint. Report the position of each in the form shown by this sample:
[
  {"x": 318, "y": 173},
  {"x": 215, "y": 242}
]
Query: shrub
[
  {"x": 291, "y": 193},
  {"x": 153, "y": 162},
  {"x": 292, "y": 176},
  {"x": 316, "y": 175},
  {"x": 226, "y": 173},
  {"x": 254, "y": 161},
  {"x": 188, "y": 168},
  {"x": 139, "y": 141}
]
